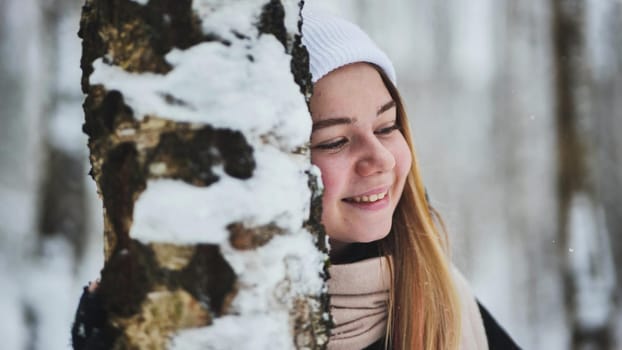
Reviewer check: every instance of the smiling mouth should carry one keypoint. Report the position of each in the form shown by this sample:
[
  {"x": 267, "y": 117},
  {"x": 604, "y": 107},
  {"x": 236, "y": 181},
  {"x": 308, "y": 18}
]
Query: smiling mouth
[{"x": 367, "y": 199}]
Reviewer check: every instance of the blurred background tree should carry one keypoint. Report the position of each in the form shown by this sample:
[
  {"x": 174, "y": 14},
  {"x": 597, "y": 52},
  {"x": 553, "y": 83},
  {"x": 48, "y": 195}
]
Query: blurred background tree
[{"x": 516, "y": 109}]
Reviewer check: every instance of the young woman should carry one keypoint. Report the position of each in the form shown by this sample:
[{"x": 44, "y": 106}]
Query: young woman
[{"x": 392, "y": 283}]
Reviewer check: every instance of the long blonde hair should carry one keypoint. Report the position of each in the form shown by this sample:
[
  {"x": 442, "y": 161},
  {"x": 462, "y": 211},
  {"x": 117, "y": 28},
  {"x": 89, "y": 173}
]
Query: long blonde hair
[{"x": 424, "y": 307}]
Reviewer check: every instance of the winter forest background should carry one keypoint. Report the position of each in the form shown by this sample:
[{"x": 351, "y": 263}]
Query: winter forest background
[{"x": 516, "y": 108}]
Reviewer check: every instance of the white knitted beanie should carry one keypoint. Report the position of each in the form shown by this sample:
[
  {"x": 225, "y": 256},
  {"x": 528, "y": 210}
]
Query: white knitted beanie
[{"x": 333, "y": 42}]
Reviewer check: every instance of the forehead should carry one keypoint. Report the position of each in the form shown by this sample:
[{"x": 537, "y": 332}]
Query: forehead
[{"x": 351, "y": 89}]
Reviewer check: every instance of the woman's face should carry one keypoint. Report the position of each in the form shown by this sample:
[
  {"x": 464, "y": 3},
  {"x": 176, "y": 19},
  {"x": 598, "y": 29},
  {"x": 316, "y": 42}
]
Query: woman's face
[{"x": 363, "y": 156}]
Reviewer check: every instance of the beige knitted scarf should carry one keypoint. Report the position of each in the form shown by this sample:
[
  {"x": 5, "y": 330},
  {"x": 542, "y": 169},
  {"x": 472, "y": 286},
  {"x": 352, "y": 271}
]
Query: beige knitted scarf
[{"x": 359, "y": 295}]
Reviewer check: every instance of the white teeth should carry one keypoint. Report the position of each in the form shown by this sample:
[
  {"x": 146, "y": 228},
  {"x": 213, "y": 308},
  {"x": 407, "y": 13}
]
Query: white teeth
[{"x": 369, "y": 199}]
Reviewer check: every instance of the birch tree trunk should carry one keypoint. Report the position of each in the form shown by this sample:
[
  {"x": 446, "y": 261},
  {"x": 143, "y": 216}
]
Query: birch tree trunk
[
  {"x": 197, "y": 137},
  {"x": 589, "y": 273}
]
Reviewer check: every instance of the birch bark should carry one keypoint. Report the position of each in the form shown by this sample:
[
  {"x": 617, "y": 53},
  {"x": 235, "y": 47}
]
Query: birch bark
[{"x": 198, "y": 126}]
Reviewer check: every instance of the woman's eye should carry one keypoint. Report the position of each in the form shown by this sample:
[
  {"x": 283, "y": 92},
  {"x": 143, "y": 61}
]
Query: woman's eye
[
  {"x": 331, "y": 145},
  {"x": 387, "y": 130}
]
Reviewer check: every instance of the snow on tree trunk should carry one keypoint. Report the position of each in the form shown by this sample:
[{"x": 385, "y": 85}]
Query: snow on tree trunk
[{"x": 198, "y": 136}]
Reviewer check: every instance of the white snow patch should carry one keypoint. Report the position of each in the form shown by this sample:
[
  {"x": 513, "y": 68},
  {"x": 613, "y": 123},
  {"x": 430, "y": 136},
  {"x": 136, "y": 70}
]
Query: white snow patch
[
  {"x": 222, "y": 18},
  {"x": 141, "y": 2},
  {"x": 292, "y": 15},
  {"x": 219, "y": 86},
  {"x": 176, "y": 212},
  {"x": 238, "y": 332},
  {"x": 270, "y": 277},
  {"x": 315, "y": 171}
]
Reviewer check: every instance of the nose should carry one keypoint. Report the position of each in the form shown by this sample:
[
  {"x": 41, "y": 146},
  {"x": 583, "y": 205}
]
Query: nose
[{"x": 374, "y": 157}]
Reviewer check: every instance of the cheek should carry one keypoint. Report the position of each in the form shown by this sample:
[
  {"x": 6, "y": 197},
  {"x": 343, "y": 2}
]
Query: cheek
[
  {"x": 330, "y": 177},
  {"x": 403, "y": 158}
]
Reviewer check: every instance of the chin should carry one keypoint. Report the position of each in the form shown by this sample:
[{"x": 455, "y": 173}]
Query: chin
[
  {"x": 374, "y": 236},
  {"x": 359, "y": 233}
]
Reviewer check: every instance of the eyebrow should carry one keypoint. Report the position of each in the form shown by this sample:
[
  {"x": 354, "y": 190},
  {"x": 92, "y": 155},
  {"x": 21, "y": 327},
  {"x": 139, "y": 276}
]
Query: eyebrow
[
  {"x": 345, "y": 120},
  {"x": 330, "y": 122},
  {"x": 385, "y": 107}
]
